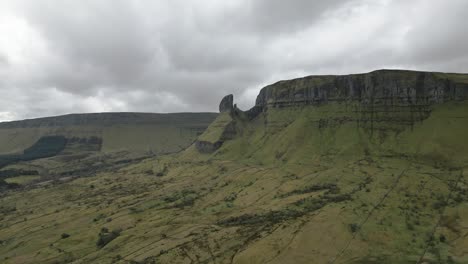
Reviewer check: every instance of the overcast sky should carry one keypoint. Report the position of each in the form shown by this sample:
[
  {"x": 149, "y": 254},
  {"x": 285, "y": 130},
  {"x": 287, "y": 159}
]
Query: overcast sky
[{"x": 70, "y": 56}]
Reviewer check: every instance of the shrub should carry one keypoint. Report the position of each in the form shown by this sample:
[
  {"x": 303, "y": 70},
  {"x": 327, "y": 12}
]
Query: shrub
[
  {"x": 65, "y": 235},
  {"x": 163, "y": 172},
  {"x": 354, "y": 227},
  {"x": 438, "y": 205},
  {"x": 231, "y": 197},
  {"x": 330, "y": 187},
  {"x": 442, "y": 238},
  {"x": 105, "y": 237},
  {"x": 99, "y": 217}
]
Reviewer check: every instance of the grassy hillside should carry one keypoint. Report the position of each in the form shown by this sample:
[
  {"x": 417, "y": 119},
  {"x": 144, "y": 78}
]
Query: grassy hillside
[
  {"x": 157, "y": 133},
  {"x": 45, "y": 147},
  {"x": 296, "y": 185},
  {"x": 335, "y": 182}
]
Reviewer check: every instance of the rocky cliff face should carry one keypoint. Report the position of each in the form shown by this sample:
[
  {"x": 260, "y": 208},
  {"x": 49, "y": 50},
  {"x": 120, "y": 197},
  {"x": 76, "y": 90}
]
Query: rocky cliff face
[
  {"x": 383, "y": 87},
  {"x": 383, "y": 100},
  {"x": 381, "y": 103},
  {"x": 226, "y": 104}
]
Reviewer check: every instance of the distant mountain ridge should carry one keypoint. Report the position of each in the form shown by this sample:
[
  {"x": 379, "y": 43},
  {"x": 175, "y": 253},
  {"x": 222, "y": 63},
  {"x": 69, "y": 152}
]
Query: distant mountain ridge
[
  {"x": 111, "y": 118},
  {"x": 142, "y": 132}
]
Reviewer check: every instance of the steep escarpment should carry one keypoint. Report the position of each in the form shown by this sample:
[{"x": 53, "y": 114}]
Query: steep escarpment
[
  {"x": 383, "y": 87},
  {"x": 381, "y": 98},
  {"x": 389, "y": 112}
]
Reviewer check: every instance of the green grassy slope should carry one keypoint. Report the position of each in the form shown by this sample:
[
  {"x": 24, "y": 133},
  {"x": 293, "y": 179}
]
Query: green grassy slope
[
  {"x": 296, "y": 185},
  {"x": 336, "y": 130},
  {"x": 157, "y": 133}
]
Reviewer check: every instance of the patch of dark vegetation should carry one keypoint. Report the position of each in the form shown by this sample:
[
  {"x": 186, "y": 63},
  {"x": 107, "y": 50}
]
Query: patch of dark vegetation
[
  {"x": 92, "y": 143},
  {"x": 460, "y": 194},
  {"x": 99, "y": 217},
  {"x": 8, "y": 186},
  {"x": 135, "y": 210},
  {"x": 7, "y": 209},
  {"x": 207, "y": 147},
  {"x": 440, "y": 203},
  {"x": 380, "y": 260},
  {"x": 17, "y": 172},
  {"x": 332, "y": 188},
  {"x": 65, "y": 235},
  {"x": 162, "y": 172},
  {"x": 296, "y": 210},
  {"x": 91, "y": 167},
  {"x": 223, "y": 169},
  {"x": 363, "y": 185},
  {"x": 231, "y": 197},
  {"x": 129, "y": 161},
  {"x": 45, "y": 147},
  {"x": 354, "y": 227},
  {"x": 442, "y": 238},
  {"x": 312, "y": 203},
  {"x": 252, "y": 219},
  {"x": 185, "y": 198},
  {"x": 105, "y": 237}
]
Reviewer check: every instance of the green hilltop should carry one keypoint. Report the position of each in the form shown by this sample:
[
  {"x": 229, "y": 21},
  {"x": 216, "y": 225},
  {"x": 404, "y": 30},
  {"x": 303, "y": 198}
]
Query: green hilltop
[
  {"x": 364, "y": 168},
  {"x": 138, "y": 132}
]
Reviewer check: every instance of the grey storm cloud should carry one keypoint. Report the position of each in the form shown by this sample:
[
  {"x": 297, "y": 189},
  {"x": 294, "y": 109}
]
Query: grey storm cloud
[
  {"x": 63, "y": 56},
  {"x": 3, "y": 60}
]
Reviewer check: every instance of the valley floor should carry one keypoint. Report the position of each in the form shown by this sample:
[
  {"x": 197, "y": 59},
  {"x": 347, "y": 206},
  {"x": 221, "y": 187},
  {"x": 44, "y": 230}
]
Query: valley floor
[{"x": 179, "y": 210}]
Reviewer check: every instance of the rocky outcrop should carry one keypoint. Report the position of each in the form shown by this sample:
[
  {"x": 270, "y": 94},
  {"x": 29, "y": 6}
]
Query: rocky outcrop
[
  {"x": 223, "y": 130},
  {"x": 207, "y": 147},
  {"x": 226, "y": 104},
  {"x": 383, "y": 87}
]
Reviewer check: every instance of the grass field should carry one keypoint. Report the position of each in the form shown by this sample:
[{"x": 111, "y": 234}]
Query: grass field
[
  {"x": 156, "y": 133},
  {"x": 23, "y": 180}
]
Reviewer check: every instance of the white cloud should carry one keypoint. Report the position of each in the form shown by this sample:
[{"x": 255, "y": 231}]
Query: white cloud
[{"x": 63, "y": 56}]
